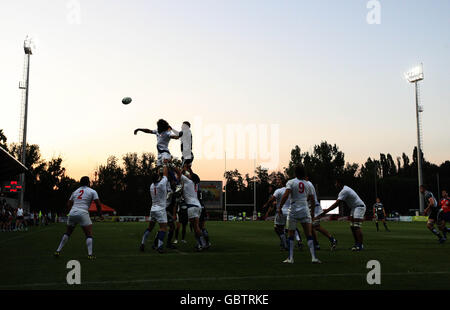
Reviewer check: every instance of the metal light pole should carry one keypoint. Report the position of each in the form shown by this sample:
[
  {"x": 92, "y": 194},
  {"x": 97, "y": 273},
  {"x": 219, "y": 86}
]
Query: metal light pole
[
  {"x": 225, "y": 215},
  {"x": 414, "y": 76},
  {"x": 254, "y": 191},
  {"x": 28, "y": 47}
]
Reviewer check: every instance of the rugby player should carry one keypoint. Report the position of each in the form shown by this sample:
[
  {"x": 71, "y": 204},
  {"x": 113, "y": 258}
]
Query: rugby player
[
  {"x": 316, "y": 222},
  {"x": 158, "y": 213},
  {"x": 379, "y": 214},
  {"x": 182, "y": 222},
  {"x": 281, "y": 215},
  {"x": 79, "y": 203},
  {"x": 19, "y": 218},
  {"x": 202, "y": 220},
  {"x": 190, "y": 182},
  {"x": 163, "y": 135},
  {"x": 444, "y": 213},
  {"x": 432, "y": 209},
  {"x": 300, "y": 195},
  {"x": 358, "y": 209},
  {"x": 187, "y": 156}
]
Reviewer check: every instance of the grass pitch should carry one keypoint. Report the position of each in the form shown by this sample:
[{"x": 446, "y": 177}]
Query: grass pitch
[{"x": 244, "y": 255}]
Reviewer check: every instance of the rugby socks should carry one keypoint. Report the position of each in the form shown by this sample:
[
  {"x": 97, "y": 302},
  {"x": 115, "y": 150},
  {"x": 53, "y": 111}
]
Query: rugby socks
[
  {"x": 202, "y": 241},
  {"x": 176, "y": 233},
  {"x": 291, "y": 247},
  {"x": 385, "y": 226},
  {"x": 160, "y": 237},
  {"x": 311, "y": 247},
  {"x": 145, "y": 236},
  {"x": 64, "y": 239},
  {"x": 298, "y": 237},
  {"x": 89, "y": 242},
  {"x": 169, "y": 237},
  {"x": 376, "y": 223},
  {"x": 283, "y": 240},
  {"x": 205, "y": 235},
  {"x": 436, "y": 232}
]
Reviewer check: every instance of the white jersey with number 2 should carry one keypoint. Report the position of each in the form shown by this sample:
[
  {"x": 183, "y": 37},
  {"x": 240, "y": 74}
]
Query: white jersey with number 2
[{"x": 82, "y": 199}]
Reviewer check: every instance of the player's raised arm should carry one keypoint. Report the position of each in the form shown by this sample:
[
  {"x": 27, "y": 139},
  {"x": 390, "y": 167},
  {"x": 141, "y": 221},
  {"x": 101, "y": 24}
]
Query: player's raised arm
[
  {"x": 145, "y": 130},
  {"x": 177, "y": 134}
]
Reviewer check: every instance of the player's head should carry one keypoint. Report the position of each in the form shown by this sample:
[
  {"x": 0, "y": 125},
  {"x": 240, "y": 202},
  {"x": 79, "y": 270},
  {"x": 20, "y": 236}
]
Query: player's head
[
  {"x": 339, "y": 183},
  {"x": 423, "y": 188},
  {"x": 300, "y": 172},
  {"x": 84, "y": 181},
  {"x": 444, "y": 193},
  {"x": 187, "y": 124},
  {"x": 195, "y": 178},
  {"x": 162, "y": 125},
  {"x": 281, "y": 180},
  {"x": 156, "y": 176},
  {"x": 378, "y": 200}
]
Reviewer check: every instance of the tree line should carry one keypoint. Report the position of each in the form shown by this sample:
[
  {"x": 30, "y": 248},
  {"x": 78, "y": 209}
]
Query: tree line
[
  {"x": 394, "y": 181},
  {"x": 123, "y": 183}
]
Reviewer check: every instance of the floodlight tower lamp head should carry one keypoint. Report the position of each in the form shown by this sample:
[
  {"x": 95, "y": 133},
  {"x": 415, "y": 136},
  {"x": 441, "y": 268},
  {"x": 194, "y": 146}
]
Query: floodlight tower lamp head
[
  {"x": 28, "y": 46},
  {"x": 415, "y": 74}
]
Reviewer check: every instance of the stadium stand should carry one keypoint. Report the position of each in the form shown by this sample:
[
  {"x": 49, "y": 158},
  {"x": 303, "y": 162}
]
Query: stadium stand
[{"x": 9, "y": 166}]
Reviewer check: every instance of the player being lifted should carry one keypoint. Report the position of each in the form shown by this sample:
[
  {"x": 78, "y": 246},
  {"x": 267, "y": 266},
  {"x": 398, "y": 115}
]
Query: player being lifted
[
  {"x": 444, "y": 214},
  {"x": 301, "y": 194},
  {"x": 358, "y": 209},
  {"x": 79, "y": 203},
  {"x": 186, "y": 144},
  {"x": 379, "y": 214},
  {"x": 432, "y": 209},
  {"x": 158, "y": 213},
  {"x": 316, "y": 222},
  {"x": 163, "y": 135}
]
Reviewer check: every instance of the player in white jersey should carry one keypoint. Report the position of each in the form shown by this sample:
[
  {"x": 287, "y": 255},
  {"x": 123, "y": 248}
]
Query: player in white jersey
[
  {"x": 358, "y": 210},
  {"x": 301, "y": 196},
  {"x": 19, "y": 218},
  {"x": 79, "y": 203},
  {"x": 316, "y": 222},
  {"x": 281, "y": 215},
  {"x": 163, "y": 134},
  {"x": 186, "y": 144},
  {"x": 190, "y": 182},
  {"x": 158, "y": 213}
]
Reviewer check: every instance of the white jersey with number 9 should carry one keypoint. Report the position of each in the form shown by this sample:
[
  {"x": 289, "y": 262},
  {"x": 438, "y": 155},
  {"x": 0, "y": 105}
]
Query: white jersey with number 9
[{"x": 300, "y": 191}]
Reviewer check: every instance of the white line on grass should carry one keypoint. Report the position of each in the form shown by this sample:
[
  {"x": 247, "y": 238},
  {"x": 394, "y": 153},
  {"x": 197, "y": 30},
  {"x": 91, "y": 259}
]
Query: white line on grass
[{"x": 227, "y": 278}]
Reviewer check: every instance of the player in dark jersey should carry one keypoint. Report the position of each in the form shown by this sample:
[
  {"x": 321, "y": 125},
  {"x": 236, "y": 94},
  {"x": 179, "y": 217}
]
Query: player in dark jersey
[
  {"x": 379, "y": 214},
  {"x": 171, "y": 211},
  {"x": 432, "y": 209},
  {"x": 202, "y": 221},
  {"x": 182, "y": 222},
  {"x": 444, "y": 214}
]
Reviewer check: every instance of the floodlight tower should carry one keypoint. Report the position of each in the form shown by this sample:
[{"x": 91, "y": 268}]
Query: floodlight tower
[
  {"x": 28, "y": 47},
  {"x": 415, "y": 75}
]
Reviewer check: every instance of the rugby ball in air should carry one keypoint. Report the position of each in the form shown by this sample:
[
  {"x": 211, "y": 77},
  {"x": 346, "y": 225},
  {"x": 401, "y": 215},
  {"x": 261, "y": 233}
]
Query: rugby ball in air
[{"x": 126, "y": 100}]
